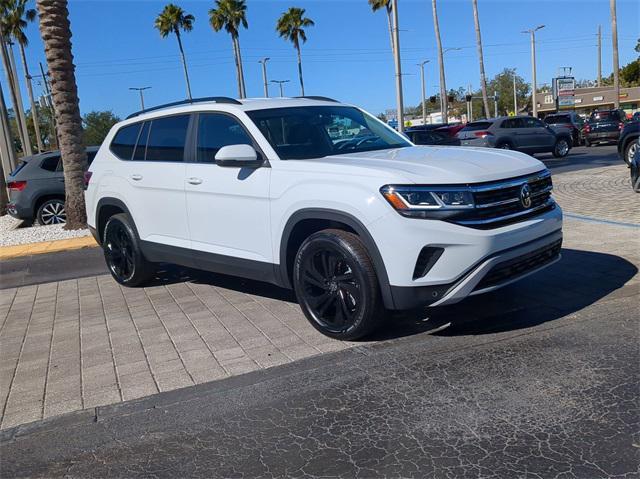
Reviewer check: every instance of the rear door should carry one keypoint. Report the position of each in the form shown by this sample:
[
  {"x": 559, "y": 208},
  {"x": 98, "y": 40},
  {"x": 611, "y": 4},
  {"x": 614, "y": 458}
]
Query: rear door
[
  {"x": 154, "y": 176},
  {"x": 228, "y": 206}
]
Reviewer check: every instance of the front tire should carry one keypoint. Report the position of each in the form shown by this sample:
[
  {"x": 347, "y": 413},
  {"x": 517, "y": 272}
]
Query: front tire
[
  {"x": 561, "y": 148},
  {"x": 336, "y": 285},
  {"x": 121, "y": 247},
  {"x": 630, "y": 151}
]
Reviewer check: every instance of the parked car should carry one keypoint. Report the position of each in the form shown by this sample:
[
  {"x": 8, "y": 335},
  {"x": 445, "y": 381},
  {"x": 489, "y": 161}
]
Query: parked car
[
  {"x": 36, "y": 188},
  {"x": 522, "y": 133},
  {"x": 628, "y": 141},
  {"x": 451, "y": 129},
  {"x": 603, "y": 126},
  {"x": 636, "y": 116},
  {"x": 635, "y": 171},
  {"x": 567, "y": 120},
  {"x": 431, "y": 137},
  {"x": 257, "y": 188}
]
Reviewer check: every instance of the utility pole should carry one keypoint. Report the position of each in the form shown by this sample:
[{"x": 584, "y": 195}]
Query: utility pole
[
  {"x": 534, "y": 88},
  {"x": 396, "y": 58},
  {"x": 264, "y": 75},
  {"x": 495, "y": 103},
  {"x": 7, "y": 151},
  {"x": 470, "y": 104},
  {"x": 14, "y": 90},
  {"x": 280, "y": 83},
  {"x": 599, "y": 55},
  {"x": 616, "y": 63},
  {"x": 54, "y": 128},
  {"x": 423, "y": 98},
  {"x": 515, "y": 95},
  {"x": 140, "y": 90}
]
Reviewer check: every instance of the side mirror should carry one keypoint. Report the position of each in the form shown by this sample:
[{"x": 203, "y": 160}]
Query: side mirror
[{"x": 238, "y": 156}]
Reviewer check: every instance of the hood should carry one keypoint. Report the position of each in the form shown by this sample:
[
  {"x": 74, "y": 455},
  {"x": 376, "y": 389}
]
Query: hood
[{"x": 441, "y": 165}]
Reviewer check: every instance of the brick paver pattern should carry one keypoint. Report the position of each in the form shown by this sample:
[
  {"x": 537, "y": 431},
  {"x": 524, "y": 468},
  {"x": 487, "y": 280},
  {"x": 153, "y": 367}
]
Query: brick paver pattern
[{"x": 88, "y": 342}]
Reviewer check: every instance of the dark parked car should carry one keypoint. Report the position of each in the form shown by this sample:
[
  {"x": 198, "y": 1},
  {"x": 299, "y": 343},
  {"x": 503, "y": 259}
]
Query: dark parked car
[
  {"x": 603, "y": 126},
  {"x": 570, "y": 121},
  {"x": 522, "y": 133},
  {"x": 635, "y": 170},
  {"x": 36, "y": 188},
  {"x": 431, "y": 137},
  {"x": 628, "y": 141}
]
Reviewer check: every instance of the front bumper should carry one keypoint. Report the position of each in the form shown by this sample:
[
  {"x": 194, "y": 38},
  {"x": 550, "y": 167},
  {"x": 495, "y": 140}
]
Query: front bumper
[{"x": 468, "y": 255}]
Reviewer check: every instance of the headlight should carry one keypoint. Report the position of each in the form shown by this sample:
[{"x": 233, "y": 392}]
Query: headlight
[{"x": 427, "y": 201}]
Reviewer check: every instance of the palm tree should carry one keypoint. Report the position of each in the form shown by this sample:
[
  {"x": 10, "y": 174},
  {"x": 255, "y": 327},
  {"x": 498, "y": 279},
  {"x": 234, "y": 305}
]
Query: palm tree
[
  {"x": 55, "y": 31},
  {"x": 171, "y": 20},
  {"x": 388, "y": 6},
  {"x": 483, "y": 78},
  {"x": 15, "y": 21},
  {"x": 229, "y": 15},
  {"x": 443, "y": 86},
  {"x": 290, "y": 27}
]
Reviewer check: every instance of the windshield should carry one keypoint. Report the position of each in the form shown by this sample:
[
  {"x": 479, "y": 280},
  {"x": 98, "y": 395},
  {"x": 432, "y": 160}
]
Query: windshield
[
  {"x": 554, "y": 120},
  {"x": 319, "y": 131}
]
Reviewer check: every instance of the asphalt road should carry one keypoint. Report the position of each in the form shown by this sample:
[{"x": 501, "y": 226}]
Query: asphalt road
[{"x": 581, "y": 157}]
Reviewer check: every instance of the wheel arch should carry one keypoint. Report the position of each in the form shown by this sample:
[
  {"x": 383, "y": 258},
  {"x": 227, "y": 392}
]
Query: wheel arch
[
  {"x": 106, "y": 208},
  {"x": 304, "y": 222}
]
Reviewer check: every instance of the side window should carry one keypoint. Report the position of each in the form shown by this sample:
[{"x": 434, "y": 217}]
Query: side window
[
  {"x": 217, "y": 130},
  {"x": 167, "y": 137},
  {"x": 529, "y": 122},
  {"x": 125, "y": 140},
  {"x": 141, "y": 147},
  {"x": 538, "y": 123},
  {"x": 51, "y": 163},
  {"x": 90, "y": 156}
]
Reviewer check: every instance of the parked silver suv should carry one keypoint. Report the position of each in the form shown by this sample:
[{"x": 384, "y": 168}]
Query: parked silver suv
[{"x": 522, "y": 133}]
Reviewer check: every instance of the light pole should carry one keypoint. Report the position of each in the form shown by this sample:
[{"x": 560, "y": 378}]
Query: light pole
[
  {"x": 515, "y": 95},
  {"x": 140, "y": 90},
  {"x": 444, "y": 100},
  {"x": 423, "y": 99},
  {"x": 264, "y": 75},
  {"x": 280, "y": 83},
  {"x": 396, "y": 59},
  {"x": 614, "y": 44},
  {"x": 532, "y": 33}
]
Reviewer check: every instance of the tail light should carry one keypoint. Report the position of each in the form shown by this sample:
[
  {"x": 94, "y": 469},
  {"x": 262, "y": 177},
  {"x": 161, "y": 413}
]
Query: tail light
[
  {"x": 17, "y": 185},
  {"x": 586, "y": 128},
  {"x": 620, "y": 126},
  {"x": 87, "y": 178},
  {"x": 482, "y": 134}
]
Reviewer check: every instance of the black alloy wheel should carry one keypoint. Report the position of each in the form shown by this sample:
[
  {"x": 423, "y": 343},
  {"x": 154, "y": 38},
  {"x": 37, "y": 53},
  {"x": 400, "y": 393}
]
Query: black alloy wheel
[
  {"x": 124, "y": 259},
  {"x": 336, "y": 285}
]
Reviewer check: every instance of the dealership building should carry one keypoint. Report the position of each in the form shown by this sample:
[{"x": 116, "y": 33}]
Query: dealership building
[{"x": 587, "y": 100}]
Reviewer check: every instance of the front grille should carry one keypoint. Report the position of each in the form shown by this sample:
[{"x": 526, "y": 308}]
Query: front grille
[
  {"x": 513, "y": 268},
  {"x": 499, "y": 203}
]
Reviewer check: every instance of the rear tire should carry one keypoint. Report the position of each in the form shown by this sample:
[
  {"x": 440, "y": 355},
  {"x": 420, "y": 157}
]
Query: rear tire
[
  {"x": 561, "y": 148},
  {"x": 336, "y": 285},
  {"x": 51, "y": 212},
  {"x": 505, "y": 146},
  {"x": 121, "y": 247}
]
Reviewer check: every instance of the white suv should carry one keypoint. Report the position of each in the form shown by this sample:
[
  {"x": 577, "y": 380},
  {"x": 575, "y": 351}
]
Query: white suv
[{"x": 320, "y": 196}]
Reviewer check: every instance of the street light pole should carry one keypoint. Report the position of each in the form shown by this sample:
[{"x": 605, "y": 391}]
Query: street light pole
[
  {"x": 532, "y": 33},
  {"x": 515, "y": 95},
  {"x": 264, "y": 75},
  {"x": 280, "y": 83},
  {"x": 599, "y": 55},
  {"x": 396, "y": 58},
  {"x": 423, "y": 99},
  {"x": 140, "y": 90},
  {"x": 616, "y": 63}
]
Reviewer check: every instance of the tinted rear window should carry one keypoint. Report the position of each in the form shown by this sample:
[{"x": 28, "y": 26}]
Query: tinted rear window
[
  {"x": 603, "y": 115},
  {"x": 51, "y": 163},
  {"x": 21, "y": 165},
  {"x": 555, "y": 120},
  {"x": 125, "y": 141},
  {"x": 167, "y": 138},
  {"x": 478, "y": 125}
]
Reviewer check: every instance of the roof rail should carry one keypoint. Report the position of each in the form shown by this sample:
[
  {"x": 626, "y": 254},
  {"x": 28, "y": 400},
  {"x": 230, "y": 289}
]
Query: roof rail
[
  {"x": 217, "y": 99},
  {"x": 321, "y": 98}
]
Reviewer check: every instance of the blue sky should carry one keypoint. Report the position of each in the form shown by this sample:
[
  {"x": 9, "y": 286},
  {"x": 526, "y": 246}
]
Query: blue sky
[{"x": 347, "y": 56}]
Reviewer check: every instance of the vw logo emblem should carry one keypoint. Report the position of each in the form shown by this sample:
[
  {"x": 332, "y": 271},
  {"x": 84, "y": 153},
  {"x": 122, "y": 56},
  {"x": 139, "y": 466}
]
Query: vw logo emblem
[{"x": 525, "y": 196}]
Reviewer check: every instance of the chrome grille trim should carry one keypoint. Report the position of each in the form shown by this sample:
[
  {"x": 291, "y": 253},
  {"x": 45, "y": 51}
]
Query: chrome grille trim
[
  {"x": 546, "y": 204},
  {"x": 542, "y": 175},
  {"x": 514, "y": 200}
]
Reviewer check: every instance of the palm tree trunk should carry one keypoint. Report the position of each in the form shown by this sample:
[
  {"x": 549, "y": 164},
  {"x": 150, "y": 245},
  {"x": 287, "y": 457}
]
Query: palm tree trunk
[
  {"x": 184, "y": 64},
  {"x": 300, "y": 69},
  {"x": 26, "y": 147},
  {"x": 483, "y": 79},
  {"x": 390, "y": 24},
  {"x": 34, "y": 110},
  {"x": 235, "y": 59},
  {"x": 12, "y": 90},
  {"x": 4, "y": 196},
  {"x": 443, "y": 86},
  {"x": 240, "y": 69},
  {"x": 56, "y": 35}
]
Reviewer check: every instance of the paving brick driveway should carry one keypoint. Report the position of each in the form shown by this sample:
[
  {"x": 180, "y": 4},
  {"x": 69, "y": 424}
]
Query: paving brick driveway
[{"x": 88, "y": 342}]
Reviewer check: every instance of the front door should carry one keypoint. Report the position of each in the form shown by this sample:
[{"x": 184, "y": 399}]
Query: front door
[{"x": 228, "y": 207}]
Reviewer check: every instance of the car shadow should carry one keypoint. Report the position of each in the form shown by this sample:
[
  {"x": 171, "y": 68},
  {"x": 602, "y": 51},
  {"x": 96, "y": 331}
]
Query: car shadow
[{"x": 579, "y": 279}]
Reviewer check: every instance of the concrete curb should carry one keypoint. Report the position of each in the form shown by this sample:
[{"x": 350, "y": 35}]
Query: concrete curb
[{"x": 9, "y": 252}]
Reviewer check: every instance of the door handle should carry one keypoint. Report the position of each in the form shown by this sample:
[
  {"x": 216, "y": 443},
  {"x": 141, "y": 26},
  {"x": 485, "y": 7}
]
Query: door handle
[
  {"x": 194, "y": 181},
  {"x": 136, "y": 177}
]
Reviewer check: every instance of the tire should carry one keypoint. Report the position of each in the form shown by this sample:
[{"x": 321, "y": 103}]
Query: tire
[
  {"x": 121, "y": 247},
  {"x": 51, "y": 212},
  {"x": 336, "y": 285},
  {"x": 505, "y": 146},
  {"x": 630, "y": 150},
  {"x": 561, "y": 148}
]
